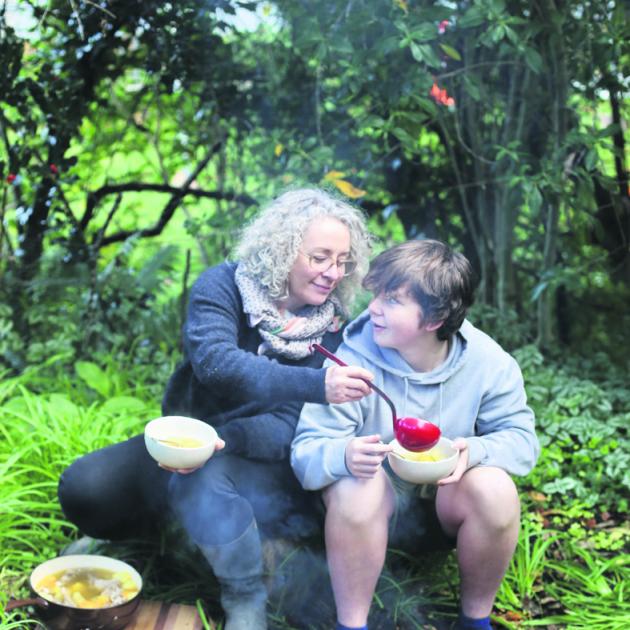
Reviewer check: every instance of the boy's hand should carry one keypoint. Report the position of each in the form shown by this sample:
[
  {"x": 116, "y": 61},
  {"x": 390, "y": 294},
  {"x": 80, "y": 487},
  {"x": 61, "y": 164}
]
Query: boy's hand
[
  {"x": 462, "y": 463},
  {"x": 220, "y": 444},
  {"x": 364, "y": 455},
  {"x": 347, "y": 384}
]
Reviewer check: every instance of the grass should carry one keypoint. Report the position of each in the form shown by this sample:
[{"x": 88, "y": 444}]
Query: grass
[{"x": 560, "y": 577}]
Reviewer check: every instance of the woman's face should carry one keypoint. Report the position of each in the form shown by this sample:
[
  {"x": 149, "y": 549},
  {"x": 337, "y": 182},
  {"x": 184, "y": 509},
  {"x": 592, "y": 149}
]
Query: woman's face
[{"x": 325, "y": 237}]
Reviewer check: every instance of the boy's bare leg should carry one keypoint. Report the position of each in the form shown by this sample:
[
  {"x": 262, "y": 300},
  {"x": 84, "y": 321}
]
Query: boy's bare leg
[
  {"x": 357, "y": 518},
  {"x": 483, "y": 511}
]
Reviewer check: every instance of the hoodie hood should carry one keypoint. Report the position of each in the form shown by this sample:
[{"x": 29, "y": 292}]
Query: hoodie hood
[{"x": 359, "y": 337}]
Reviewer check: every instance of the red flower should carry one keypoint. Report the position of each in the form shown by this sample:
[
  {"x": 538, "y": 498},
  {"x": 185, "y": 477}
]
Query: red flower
[
  {"x": 442, "y": 26},
  {"x": 441, "y": 96},
  {"x": 11, "y": 177},
  {"x": 54, "y": 170}
]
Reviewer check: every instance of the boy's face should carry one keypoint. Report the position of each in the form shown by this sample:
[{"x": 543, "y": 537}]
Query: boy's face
[{"x": 398, "y": 322}]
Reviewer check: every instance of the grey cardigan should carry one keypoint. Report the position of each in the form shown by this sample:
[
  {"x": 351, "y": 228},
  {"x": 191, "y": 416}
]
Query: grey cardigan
[{"x": 253, "y": 401}]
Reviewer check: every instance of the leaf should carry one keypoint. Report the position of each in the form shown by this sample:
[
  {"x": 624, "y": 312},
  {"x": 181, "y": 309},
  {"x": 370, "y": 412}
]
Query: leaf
[
  {"x": 424, "y": 33},
  {"x": 405, "y": 136},
  {"x": 60, "y": 405},
  {"x": 591, "y": 159},
  {"x": 533, "y": 60},
  {"x": 424, "y": 54},
  {"x": 473, "y": 17},
  {"x": 451, "y": 52},
  {"x": 387, "y": 45},
  {"x": 94, "y": 376},
  {"x": 121, "y": 404},
  {"x": 278, "y": 149},
  {"x": 331, "y": 176},
  {"x": 512, "y": 35},
  {"x": 539, "y": 497},
  {"x": 348, "y": 189},
  {"x": 472, "y": 88},
  {"x": 538, "y": 289},
  {"x": 148, "y": 277},
  {"x": 610, "y": 130},
  {"x": 534, "y": 199},
  {"x": 402, "y": 4}
]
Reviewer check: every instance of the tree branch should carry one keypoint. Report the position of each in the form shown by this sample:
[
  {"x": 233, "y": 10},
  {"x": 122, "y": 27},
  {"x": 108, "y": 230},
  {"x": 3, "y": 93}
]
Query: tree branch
[
  {"x": 169, "y": 209},
  {"x": 115, "y": 189}
]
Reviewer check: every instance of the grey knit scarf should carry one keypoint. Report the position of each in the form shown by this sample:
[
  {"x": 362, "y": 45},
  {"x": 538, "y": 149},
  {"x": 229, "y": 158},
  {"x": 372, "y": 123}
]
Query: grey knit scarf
[{"x": 287, "y": 334}]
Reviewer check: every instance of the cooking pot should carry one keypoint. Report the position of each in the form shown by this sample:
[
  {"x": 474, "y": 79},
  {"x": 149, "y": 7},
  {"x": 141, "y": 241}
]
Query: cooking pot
[{"x": 63, "y": 617}]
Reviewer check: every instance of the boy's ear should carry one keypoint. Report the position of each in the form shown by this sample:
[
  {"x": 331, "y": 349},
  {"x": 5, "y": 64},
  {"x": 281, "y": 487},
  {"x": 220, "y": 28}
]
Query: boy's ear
[{"x": 433, "y": 326}]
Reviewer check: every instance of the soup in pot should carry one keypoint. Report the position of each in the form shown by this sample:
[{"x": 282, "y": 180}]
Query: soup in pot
[{"x": 87, "y": 587}]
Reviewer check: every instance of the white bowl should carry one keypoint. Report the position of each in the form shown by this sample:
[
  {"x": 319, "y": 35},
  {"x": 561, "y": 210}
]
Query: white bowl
[
  {"x": 419, "y": 471},
  {"x": 175, "y": 428}
]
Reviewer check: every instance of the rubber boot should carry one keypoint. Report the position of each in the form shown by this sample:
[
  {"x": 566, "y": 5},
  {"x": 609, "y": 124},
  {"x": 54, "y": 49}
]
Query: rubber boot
[{"x": 238, "y": 566}]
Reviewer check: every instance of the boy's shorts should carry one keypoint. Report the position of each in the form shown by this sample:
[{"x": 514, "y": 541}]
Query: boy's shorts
[{"x": 415, "y": 525}]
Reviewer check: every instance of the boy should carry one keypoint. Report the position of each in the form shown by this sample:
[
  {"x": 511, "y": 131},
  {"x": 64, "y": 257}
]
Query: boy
[{"x": 436, "y": 366}]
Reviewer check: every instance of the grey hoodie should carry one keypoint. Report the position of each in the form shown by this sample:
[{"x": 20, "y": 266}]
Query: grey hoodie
[{"x": 477, "y": 394}]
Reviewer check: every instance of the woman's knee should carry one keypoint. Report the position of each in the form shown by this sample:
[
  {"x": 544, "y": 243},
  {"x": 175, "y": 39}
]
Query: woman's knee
[
  {"x": 112, "y": 492},
  {"x": 211, "y": 481},
  {"x": 208, "y": 505},
  {"x": 83, "y": 496}
]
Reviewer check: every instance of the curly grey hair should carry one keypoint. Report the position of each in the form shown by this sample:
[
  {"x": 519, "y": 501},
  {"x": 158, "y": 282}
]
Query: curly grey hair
[{"x": 269, "y": 245}]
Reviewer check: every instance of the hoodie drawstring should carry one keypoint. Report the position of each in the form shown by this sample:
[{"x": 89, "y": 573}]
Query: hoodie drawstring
[{"x": 406, "y": 398}]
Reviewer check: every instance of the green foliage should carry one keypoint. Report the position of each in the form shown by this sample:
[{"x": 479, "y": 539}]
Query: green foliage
[
  {"x": 584, "y": 430},
  {"x": 133, "y": 148},
  {"x": 523, "y": 580},
  {"x": 507, "y": 328},
  {"x": 106, "y": 115},
  {"x": 50, "y": 419},
  {"x": 568, "y": 549},
  {"x": 555, "y": 580},
  {"x": 117, "y": 312}
]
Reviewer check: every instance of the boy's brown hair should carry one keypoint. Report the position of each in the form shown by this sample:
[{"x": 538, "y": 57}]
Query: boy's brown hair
[{"x": 439, "y": 279}]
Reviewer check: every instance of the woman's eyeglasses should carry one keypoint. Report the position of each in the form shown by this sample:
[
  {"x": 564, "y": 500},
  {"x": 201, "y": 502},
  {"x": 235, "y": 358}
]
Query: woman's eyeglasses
[{"x": 322, "y": 263}]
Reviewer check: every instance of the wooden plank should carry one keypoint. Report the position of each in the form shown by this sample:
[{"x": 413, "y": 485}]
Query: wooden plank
[{"x": 163, "y": 616}]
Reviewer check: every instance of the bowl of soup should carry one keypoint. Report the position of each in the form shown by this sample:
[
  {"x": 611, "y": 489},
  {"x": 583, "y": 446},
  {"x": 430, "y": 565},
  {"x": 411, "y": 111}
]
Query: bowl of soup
[
  {"x": 178, "y": 442},
  {"x": 83, "y": 591},
  {"x": 426, "y": 467}
]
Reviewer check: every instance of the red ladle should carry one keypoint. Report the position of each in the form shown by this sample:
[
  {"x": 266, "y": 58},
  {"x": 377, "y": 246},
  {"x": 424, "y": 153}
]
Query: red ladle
[{"x": 412, "y": 433}]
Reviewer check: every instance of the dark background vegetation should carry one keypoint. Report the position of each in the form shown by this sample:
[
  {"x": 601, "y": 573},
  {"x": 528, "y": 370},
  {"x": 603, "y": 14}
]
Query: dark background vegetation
[{"x": 137, "y": 136}]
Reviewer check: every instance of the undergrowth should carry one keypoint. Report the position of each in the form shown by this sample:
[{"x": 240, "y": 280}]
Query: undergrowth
[{"x": 570, "y": 569}]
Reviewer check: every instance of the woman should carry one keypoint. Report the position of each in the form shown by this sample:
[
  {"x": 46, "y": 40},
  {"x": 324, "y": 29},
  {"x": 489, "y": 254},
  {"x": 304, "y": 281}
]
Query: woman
[{"x": 247, "y": 370}]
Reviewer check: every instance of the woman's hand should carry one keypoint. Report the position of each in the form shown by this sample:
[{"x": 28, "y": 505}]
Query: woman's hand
[
  {"x": 365, "y": 454},
  {"x": 347, "y": 384},
  {"x": 186, "y": 471},
  {"x": 461, "y": 445}
]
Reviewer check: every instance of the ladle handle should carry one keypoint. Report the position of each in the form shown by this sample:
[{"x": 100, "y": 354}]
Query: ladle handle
[{"x": 338, "y": 361}]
